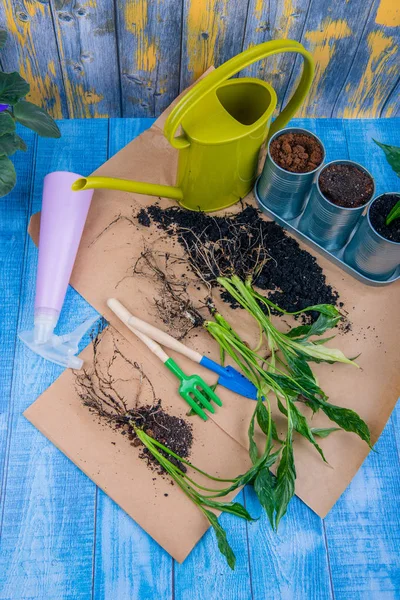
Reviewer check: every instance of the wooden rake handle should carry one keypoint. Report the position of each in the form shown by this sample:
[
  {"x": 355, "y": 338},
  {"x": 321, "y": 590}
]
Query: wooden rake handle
[
  {"x": 138, "y": 325},
  {"x": 124, "y": 315}
]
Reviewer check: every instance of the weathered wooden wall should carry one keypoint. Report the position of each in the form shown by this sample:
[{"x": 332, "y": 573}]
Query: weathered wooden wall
[{"x": 98, "y": 58}]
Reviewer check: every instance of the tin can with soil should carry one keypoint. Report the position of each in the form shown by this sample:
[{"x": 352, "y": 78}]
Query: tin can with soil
[
  {"x": 283, "y": 191},
  {"x": 326, "y": 222},
  {"x": 370, "y": 252}
]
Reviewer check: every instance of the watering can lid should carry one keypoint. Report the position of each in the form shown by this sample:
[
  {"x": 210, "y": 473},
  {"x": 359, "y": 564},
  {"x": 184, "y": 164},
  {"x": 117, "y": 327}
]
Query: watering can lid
[{"x": 222, "y": 114}]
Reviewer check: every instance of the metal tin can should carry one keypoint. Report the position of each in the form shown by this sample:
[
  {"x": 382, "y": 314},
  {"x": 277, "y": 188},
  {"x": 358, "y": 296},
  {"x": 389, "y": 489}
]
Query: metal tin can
[
  {"x": 282, "y": 191},
  {"x": 326, "y": 223},
  {"x": 369, "y": 252}
]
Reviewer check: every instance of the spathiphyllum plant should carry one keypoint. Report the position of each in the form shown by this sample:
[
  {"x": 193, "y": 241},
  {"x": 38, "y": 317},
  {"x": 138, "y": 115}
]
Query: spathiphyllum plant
[
  {"x": 279, "y": 367},
  {"x": 15, "y": 109}
]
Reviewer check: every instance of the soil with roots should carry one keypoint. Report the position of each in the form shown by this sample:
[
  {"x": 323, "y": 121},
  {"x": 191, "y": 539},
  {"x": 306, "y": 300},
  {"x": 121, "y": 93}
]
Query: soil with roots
[
  {"x": 97, "y": 387},
  {"x": 247, "y": 245}
]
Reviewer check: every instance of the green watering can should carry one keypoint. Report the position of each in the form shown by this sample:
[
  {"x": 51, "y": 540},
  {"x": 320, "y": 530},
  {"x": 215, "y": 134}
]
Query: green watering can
[{"x": 224, "y": 122}]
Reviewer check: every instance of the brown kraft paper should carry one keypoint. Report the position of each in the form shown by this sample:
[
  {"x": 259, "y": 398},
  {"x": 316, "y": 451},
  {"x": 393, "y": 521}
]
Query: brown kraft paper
[{"x": 371, "y": 390}]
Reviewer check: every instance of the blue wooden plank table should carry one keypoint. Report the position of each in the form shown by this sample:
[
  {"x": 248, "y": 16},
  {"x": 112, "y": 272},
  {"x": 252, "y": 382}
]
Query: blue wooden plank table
[{"x": 62, "y": 538}]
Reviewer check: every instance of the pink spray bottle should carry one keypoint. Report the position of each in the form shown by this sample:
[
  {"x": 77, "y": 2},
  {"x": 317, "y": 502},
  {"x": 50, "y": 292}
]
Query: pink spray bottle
[{"x": 62, "y": 221}]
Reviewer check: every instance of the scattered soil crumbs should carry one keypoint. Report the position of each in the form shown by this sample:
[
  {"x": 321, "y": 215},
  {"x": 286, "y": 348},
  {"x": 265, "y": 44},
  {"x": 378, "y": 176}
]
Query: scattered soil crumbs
[
  {"x": 346, "y": 185},
  {"x": 246, "y": 245},
  {"x": 173, "y": 432},
  {"x": 378, "y": 213},
  {"x": 296, "y": 152}
]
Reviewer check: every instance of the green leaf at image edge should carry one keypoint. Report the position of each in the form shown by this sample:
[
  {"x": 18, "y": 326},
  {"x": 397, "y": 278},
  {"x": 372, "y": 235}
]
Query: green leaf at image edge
[
  {"x": 394, "y": 213},
  {"x": 10, "y": 143},
  {"x": 392, "y": 154},
  {"x": 222, "y": 540},
  {"x": 37, "y": 119},
  {"x": 7, "y": 123},
  {"x": 8, "y": 176},
  {"x": 12, "y": 88}
]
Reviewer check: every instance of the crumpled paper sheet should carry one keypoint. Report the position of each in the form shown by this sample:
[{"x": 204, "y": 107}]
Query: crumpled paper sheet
[{"x": 104, "y": 269}]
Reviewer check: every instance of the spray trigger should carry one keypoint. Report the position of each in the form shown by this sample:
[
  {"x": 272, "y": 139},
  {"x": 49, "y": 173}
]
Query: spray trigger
[{"x": 60, "y": 349}]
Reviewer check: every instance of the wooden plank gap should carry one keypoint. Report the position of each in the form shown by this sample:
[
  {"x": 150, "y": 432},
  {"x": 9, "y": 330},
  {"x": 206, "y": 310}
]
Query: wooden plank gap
[
  {"x": 96, "y": 494},
  {"x": 9, "y": 433},
  {"x": 328, "y": 559},
  {"x": 181, "y": 46},
  {"x": 394, "y": 92},
  {"x": 118, "y": 57},
  {"x": 248, "y": 548},
  {"x": 289, "y": 84},
  {"x": 352, "y": 60},
  {"x": 68, "y": 116}
]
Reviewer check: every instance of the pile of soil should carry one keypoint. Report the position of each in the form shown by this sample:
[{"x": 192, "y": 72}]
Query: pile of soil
[
  {"x": 346, "y": 185},
  {"x": 378, "y": 213},
  {"x": 291, "y": 276},
  {"x": 173, "y": 432},
  {"x": 296, "y": 152}
]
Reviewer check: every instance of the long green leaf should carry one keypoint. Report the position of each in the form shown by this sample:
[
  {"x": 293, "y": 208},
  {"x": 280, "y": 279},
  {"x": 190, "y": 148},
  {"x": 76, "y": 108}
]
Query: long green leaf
[
  {"x": 233, "y": 508},
  {"x": 264, "y": 487},
  {"x": 319, "y": 353},
  {"x": 12, "y": 88},
  {"x": 392, "y": 154},
  {"x": 285, "y": 479},
  {"x": 301, "y": 426},
  {"x": 323, "y": 432},
  {"x": 263, "y": 422},
  {"x": 8, "y": 176},
  {"x": 253, "y": 450},
  {"x": 322, "y": 324},
  {"x": 37, "y": 119},
  {"x": 222, "y": 540},
  {"x": 348, "y": 420}
]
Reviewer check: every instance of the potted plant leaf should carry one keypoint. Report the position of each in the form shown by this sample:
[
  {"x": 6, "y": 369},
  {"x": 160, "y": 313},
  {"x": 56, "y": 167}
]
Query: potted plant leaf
[
  {"x": 375, "y": 247},
  {"x": 15, "y": 109}
]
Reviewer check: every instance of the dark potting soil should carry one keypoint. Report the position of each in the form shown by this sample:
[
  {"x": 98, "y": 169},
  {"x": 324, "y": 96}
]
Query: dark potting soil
[
  {"x": 291, "y": 276},
  {"x": 296, "y": 152},
  {"x": 173, "y": 432},
  {"x": 346, "y": 185},
  {"x": 143, "y": 218},
  {"x": 378, "y": 213}
]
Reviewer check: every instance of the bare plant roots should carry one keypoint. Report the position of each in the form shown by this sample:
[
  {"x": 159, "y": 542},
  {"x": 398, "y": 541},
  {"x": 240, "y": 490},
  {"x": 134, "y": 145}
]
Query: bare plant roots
[
  {"x": 231, "y": 254},
  {"x": 100, "y": 390},
  {"x": 97, "y": 386},
  {"x": 173, "y": 303},
  {"x": 117, "y": 219}
]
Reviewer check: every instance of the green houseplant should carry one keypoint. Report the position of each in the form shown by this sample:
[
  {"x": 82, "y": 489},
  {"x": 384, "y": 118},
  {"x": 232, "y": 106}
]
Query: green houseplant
[
  {"x": 15, "y": 109},
  {"x": 392, "y": 154}
]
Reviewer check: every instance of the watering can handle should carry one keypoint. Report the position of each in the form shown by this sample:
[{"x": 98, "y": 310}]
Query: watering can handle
[{"x": 230, "y": 68}]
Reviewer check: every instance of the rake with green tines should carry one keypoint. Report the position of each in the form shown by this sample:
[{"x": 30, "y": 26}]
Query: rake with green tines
[{"x": 193, "y": 389}]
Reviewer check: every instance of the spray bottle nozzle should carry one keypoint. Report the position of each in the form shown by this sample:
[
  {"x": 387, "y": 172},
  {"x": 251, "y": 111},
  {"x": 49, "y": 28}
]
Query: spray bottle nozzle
[{"x": 60, "y": 349}]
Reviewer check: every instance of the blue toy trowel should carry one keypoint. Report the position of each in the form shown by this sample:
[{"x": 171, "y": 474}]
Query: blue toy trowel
[{"x": 229, "y": 377}]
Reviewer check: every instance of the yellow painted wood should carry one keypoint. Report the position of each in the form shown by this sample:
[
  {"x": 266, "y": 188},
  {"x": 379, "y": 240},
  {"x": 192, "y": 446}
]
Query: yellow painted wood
[
  {"x": 94, "y": 58},
  {"x": 31, "y": 49},
  {"x": 274, "y": 20}
]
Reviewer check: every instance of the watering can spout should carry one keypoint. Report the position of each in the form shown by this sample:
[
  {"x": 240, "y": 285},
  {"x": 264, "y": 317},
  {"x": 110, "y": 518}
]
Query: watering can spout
[{"x": 126, "y": 185}]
